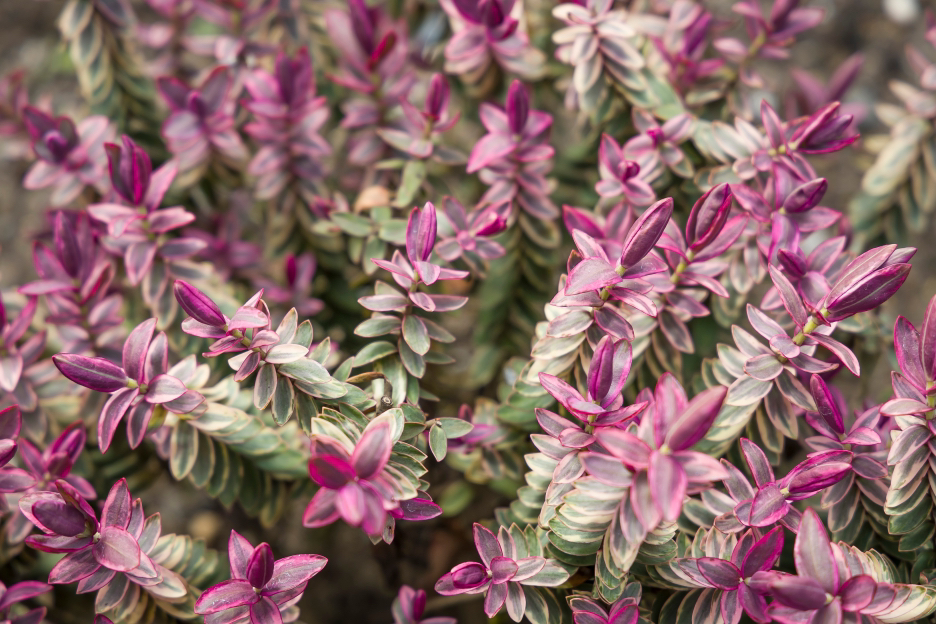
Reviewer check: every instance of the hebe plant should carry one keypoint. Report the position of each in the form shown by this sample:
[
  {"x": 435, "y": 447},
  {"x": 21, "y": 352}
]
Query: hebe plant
[{"x": 308, "y": 255}]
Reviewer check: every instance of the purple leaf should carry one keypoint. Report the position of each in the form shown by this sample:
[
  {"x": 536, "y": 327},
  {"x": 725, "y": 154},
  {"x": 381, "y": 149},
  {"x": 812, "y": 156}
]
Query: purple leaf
[
  {"x": 117, "y": 549},
  {"x": 59, "y": 517},
  {"x": 866, "y": 294},
  {"x": 695, "y": 421},
  {"x": 828, "y": 407},
  {"x": 292, "y": 572},
  {"x": 330, "y": 472},
  {"x": 136, "y": 347},
  {"x": 802, "y": 594},
  {"x": 788, "y": 295},
  {"x": 764, "y": 554},
  {"x": 226, "y": 595},
  {"x": 708, "y": 217},
  {"x": 813, "y": 553},
  {"x": 857, "y": 592},
  {"x": 95, "y": 373},
  {"x": 112, "y": 413},
  {"x": 720, "y": 573},
  {"x": 372, "y": 451},
  {"x": 591, "y": 274},
  {"x": 198, "y": 305},
  {"x": 265, "y": 611},
  {"x": 645, "y": 232},
  {"x": 260, "y": 566},
  {"x": 421, "y": 233},
  {"x": 908, "y": 347},
  {"x": 164, "y": 388},
  {"x": 502, "y": 569},
  {"x": 239, "y": 551},
  {"x": 487, "y": 544},
  {"x": 668, "y": 483}
]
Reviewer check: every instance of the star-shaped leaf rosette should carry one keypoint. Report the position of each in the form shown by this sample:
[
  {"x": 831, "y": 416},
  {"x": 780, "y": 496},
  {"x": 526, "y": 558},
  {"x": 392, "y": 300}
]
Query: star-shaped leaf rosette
[
  {"x": 70, "y": 155},
  {"x": 142, "y": 383},
  {"x": 768, "y": 501},
  {"x": 261, "y": 589},
  {"x": 603, "y": 406},
  {"x": 836, "y": 583},
  {"x": 138, "y": 230},
  {"x": 104, "y": 552},
  {"x": 596, "y": 277},
  {"x": 664, "y": 469},
  {"x": 510, "y": 561},
  {"x": 865, "y": 283},
  {"x": 75, "y": 278},
  {"x": 729, "y": 579},
  {"x": 362, "y": 482},
  {"x": 637, "y": 479}
]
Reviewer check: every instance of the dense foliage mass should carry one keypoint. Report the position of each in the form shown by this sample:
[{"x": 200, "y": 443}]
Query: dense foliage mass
[{"x": 307, "y": 258}]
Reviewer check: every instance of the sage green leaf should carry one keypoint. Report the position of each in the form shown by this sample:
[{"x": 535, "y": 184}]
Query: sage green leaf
[
  {"x": 415, "y": 334},
  {"x": 183, "y": 450},
  {"x": 438, "y": 442},
  {"x": 264, "y": 386},
  {"x": 283, "y": 402},
  {"x": 373, "y": 352},
  {"x": 307, "y": 370}
]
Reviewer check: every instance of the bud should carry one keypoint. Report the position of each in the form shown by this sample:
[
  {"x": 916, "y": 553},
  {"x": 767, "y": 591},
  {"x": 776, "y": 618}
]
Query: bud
[
  {"x": 646, "y": 231},
  {"x": 708, "y": 216},
  {"x": 421, "y": 233},
  {"x": 866, "y": 294},
  {"x": 806, "y": 196},
  {"x": 437, "y": 98},
  {"x": 130, "y": 170},
  {"x": 518, "y": 106},
  {"x": 198, "y": 305}
]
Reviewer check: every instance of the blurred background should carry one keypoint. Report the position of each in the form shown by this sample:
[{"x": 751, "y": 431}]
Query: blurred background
[{"x": 361, "y": 580}]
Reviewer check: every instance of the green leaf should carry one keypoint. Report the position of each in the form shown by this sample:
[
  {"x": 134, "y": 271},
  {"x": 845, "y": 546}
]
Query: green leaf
[
  {"x": 283, "y": 402},
  {"x": 455, "y": 498},
  {"x": 438, "y": 442},
  {"x": 415, "y": 366},
  {"x": 351, "y": 223},
  {"x": 414, "y": 174},
  {"x": 307, "y": 370},
  {"x": 373, "y": 352},
  {"x": 415, "y": 334},
  {"x": 183, "y": 450},
  {"x": 378, "y": 326},
  {"x": 455, "y": 427},
  {"x": 264, "y": 386}
]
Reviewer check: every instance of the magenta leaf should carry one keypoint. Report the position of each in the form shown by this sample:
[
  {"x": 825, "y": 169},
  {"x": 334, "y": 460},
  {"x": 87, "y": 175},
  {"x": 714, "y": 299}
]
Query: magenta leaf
[
  {"x": 95, "y": 373},
  {"x": 226, "y": 595},
  {"x": 117, "y": 549}
]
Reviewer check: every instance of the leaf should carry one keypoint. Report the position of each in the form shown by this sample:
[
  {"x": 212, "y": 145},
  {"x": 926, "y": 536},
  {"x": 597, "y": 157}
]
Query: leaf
[
  {"x": 373, "y": 352},
  {"x": 283, "y": 401},
  {"x": 747, "y": 391},
  {"x": 413, "y": 362},
  {"x": 183, "y": 450},
  {"x": 455, "y": 427},
  {"x": 264, "y": 386},
  {"x": 307, "y": 370},
  {"x": 416, "y": 334},
  {"x": 438, "y": 442},
  {"x": 378, "y": 326},
  {"x": 414, "y": 174}
]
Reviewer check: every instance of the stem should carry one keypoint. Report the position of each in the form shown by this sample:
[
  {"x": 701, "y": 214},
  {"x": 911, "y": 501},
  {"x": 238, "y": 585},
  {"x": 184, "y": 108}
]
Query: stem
[{"x": 808, "y": 328}]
